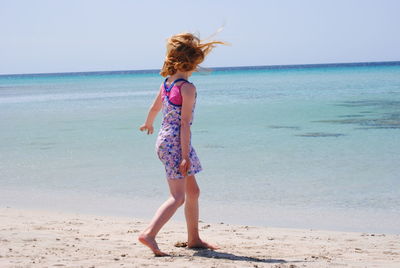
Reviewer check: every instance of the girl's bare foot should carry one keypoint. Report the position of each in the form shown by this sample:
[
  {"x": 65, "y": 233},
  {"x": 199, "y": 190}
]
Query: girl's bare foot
[
  {"x": 201, "y": 244},
  {"x": 152, "y": 244}
]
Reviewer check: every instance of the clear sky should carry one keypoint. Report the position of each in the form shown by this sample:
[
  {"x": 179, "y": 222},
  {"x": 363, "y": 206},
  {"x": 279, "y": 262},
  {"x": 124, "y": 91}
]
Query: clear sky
[{"x": 39, "y": 36}]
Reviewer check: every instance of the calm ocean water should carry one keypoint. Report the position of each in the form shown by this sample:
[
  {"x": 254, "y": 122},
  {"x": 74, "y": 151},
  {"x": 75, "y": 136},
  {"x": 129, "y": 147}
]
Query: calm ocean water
[{"x": 301, "y": 146}]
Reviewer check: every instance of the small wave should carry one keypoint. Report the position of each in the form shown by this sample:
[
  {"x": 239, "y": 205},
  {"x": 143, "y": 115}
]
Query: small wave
[{"x": 72, "y": 96}]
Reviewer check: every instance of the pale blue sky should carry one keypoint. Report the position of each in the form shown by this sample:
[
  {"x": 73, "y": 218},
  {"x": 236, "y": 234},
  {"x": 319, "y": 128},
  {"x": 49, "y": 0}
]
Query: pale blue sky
[{"x": 92, "y": 35}]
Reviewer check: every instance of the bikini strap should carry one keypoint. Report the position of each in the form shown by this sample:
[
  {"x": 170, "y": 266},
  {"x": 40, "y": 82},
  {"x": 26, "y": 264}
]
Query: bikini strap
[{"x": 173, "y": 83}]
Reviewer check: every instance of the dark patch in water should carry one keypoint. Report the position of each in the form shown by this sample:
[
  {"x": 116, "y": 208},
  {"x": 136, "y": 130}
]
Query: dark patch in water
[
  {"x": 344, "y": 121},
  {"x": 320, "y": 134},
  {"x": 34, "y": 143},
  {"x": 377, "y": 127},
  {"x": 367, "y": 122},
  {"x": 286, "y": 127},
  {"x": 352, "y": 115},
  {"x": 386, "y": 120},
  {"x": 374, "y": 103},
  {"x": 392, "y": 115}
]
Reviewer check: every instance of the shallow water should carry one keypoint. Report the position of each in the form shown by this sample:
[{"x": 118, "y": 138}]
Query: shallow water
[{"x": 296, "y": 147}]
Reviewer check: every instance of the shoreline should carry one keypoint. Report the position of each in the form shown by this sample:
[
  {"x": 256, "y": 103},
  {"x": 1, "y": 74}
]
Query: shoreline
[
  {"x": 37, "y": 238},
  {"x": 102, "y": 204}
]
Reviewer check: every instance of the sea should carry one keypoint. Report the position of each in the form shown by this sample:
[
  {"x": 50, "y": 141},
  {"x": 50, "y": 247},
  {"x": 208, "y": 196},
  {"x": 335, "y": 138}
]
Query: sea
[{"x": 299, "y": 146}]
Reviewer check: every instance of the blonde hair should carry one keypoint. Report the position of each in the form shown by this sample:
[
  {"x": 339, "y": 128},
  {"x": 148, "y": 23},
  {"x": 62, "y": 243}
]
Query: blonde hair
[{"x": 185, "y": 52}]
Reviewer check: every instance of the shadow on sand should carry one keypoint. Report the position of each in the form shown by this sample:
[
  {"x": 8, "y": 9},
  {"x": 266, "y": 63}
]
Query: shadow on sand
[{"x": 229, "y": 256}]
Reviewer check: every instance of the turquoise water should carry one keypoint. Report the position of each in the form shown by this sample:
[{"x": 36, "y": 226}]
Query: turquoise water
[{"x": 303, "y": 147}]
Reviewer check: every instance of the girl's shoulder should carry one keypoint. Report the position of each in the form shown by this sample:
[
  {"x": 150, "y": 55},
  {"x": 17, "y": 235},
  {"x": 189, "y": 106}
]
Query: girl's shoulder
[
  {"x": 187, "y": 84},
  {"x": 188, "y": 89}
]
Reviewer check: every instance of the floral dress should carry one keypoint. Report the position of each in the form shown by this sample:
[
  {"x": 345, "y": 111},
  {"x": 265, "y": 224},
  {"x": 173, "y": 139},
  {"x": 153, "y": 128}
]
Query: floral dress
[{"x": 168, "y": 144}]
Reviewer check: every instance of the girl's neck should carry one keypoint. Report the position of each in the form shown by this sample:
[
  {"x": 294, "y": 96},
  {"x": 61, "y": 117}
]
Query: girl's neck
[{"x": 178, "y": 75}]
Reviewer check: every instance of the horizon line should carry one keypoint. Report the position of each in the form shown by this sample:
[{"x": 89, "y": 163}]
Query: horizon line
[{"x": 220, "y": 68}]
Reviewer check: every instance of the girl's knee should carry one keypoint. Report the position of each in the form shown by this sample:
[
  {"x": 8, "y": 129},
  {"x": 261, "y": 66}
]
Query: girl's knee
[{"x": 179, "y": 200}]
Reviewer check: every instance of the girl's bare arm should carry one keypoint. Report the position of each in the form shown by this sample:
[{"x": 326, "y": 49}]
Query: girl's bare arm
[
  {"x": 153, "y": 111},
  {"x": 188, "y": 92}
]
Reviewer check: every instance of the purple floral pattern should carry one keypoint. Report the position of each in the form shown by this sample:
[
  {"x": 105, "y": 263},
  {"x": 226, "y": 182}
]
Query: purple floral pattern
[{"x": 168, "y": 144}]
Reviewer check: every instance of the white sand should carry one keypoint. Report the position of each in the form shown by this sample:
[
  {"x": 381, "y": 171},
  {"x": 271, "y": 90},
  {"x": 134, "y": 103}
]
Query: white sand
[{"x": 33, "y": 238}]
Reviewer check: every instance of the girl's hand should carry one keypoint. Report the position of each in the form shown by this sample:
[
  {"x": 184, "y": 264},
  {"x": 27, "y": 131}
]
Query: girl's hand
[
  {"x": 184, "y": 166},
  {"x": 145, "y": 127}
]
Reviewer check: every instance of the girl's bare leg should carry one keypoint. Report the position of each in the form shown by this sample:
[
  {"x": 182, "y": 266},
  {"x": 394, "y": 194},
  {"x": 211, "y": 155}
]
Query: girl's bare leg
[
  {"x": 163, "y": 214},
  {"x": 192, "y": 215}
]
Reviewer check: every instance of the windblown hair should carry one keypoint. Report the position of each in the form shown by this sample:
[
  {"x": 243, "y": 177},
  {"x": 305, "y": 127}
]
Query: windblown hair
[{"x": 185, "y": 52}]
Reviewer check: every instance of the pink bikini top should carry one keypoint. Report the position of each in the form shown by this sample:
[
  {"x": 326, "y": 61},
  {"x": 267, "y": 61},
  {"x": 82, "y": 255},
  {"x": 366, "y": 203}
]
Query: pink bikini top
[{"x": 173, "y": 92}]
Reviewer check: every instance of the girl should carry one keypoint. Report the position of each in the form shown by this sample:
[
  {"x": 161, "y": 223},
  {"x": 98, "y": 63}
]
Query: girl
[{"x": 176, "y": 98}]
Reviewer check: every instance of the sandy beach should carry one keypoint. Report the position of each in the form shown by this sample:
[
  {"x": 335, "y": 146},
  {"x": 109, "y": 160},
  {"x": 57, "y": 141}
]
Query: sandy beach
[{"x": 36, "y": 238}]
